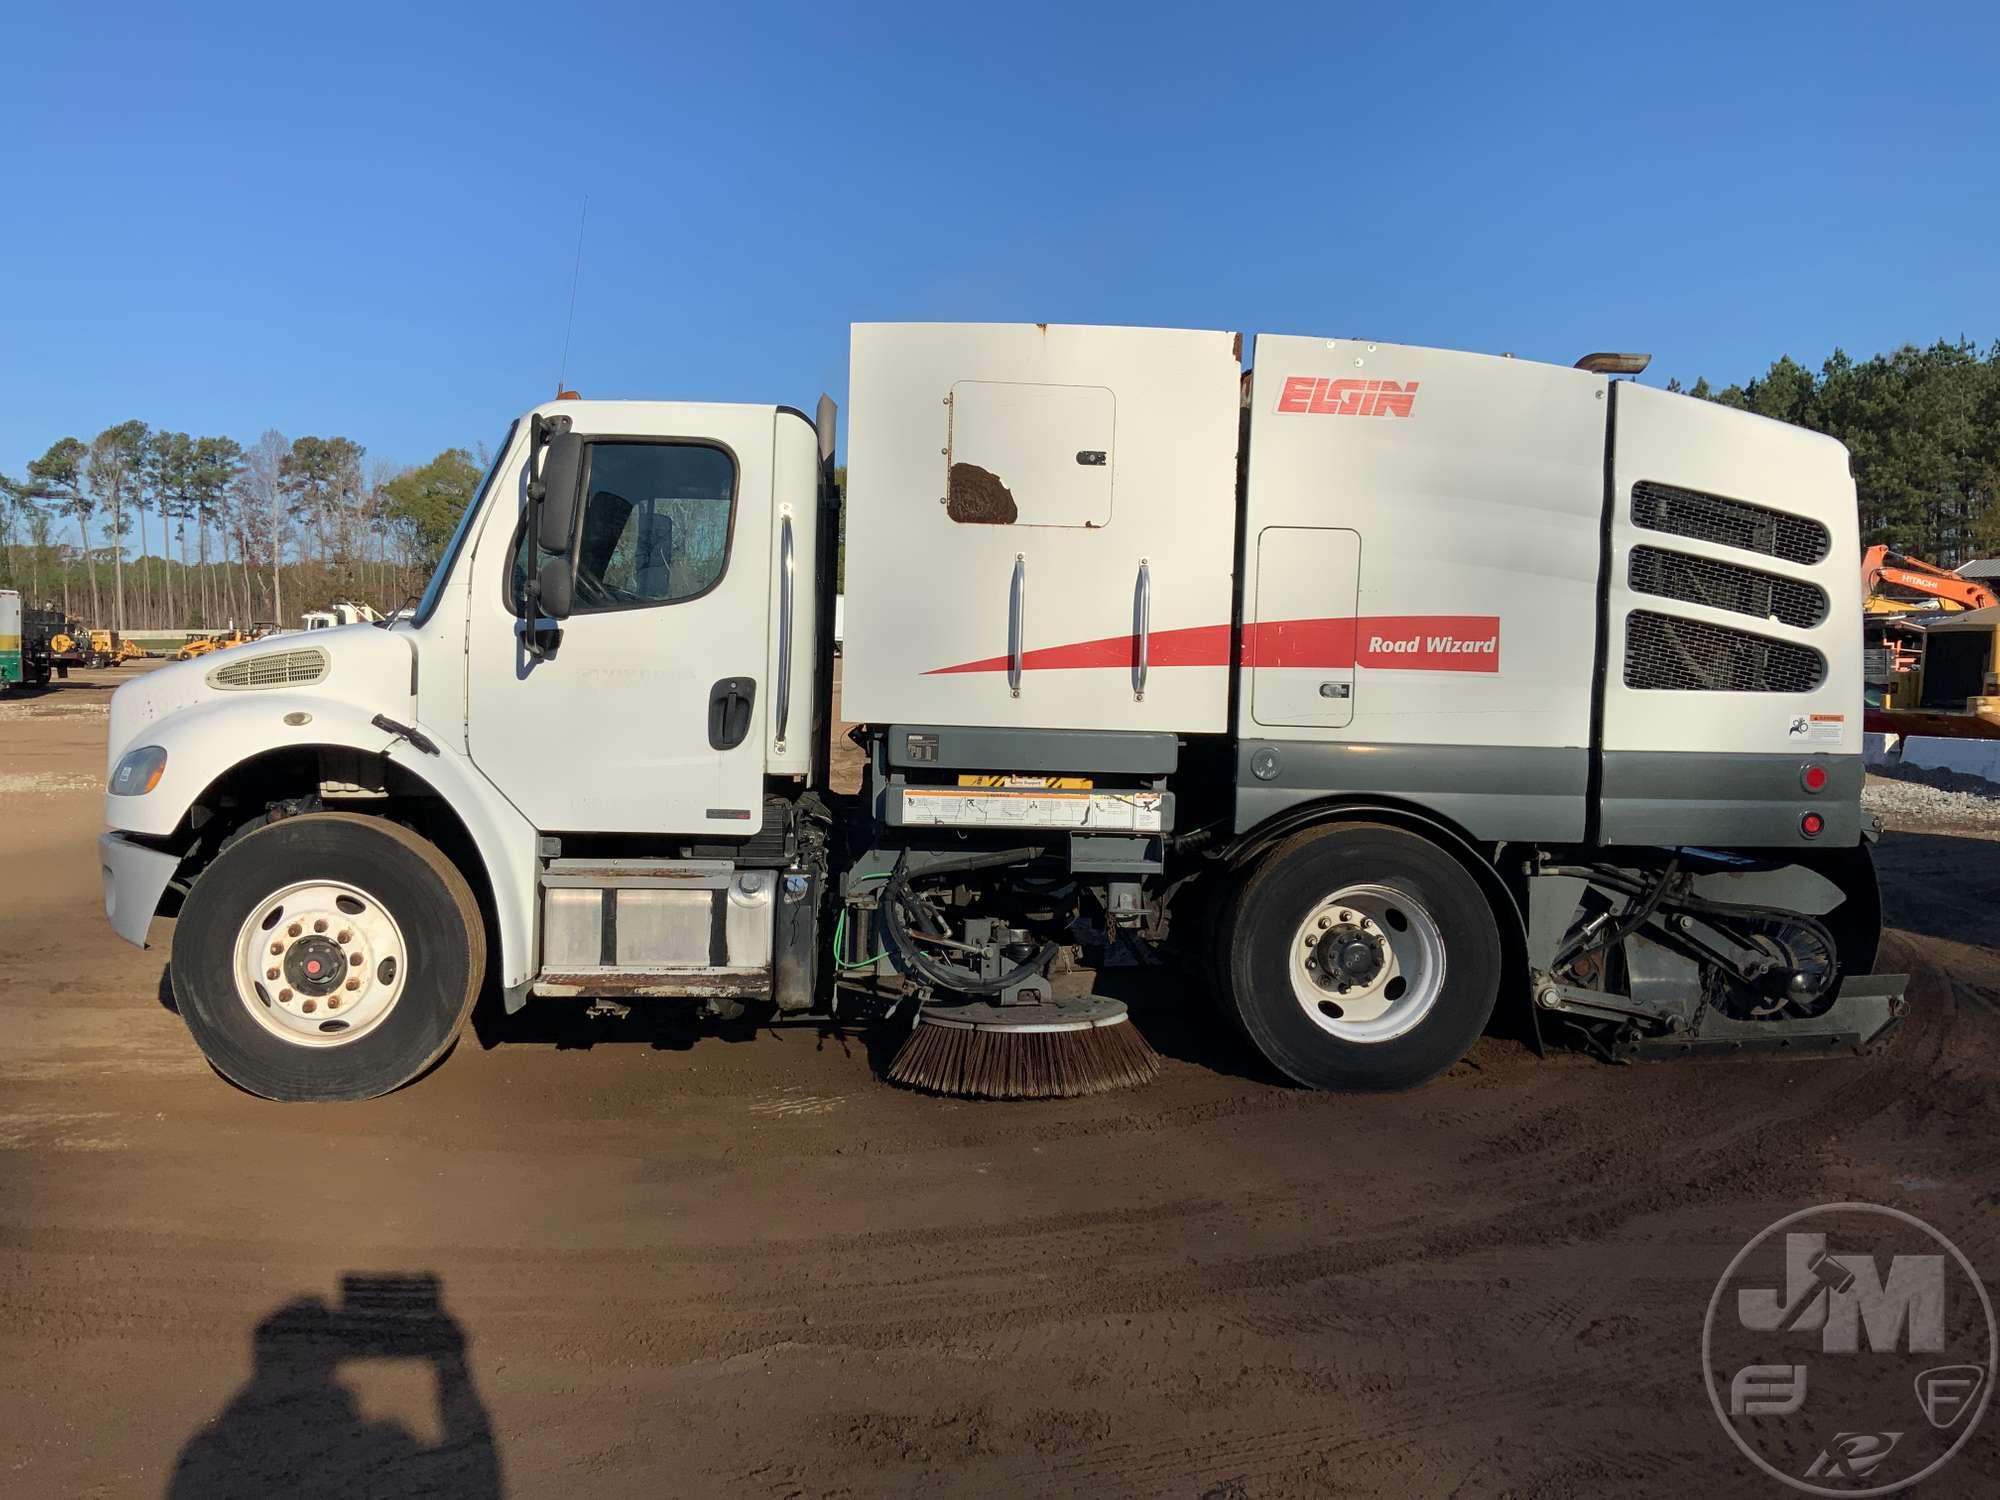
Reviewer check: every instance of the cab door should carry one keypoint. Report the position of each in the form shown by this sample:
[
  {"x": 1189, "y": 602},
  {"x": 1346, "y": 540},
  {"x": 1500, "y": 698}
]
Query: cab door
[{"x": 647, "y": 714}]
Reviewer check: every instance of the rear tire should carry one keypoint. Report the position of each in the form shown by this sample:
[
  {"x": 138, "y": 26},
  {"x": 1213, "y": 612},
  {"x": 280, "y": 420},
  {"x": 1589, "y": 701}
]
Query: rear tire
[
  {"x": 1361, "y": 957},
  {"x": 307, "y": 896}
]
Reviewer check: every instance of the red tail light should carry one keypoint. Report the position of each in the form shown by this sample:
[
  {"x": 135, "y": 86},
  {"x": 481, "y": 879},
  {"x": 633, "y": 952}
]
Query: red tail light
[
  {"x": 1812, "y": 825},
  {"x": 1813, "y": 778}
]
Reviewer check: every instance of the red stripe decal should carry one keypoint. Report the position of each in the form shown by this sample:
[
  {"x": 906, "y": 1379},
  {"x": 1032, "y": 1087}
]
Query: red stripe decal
[{"x": 1410, "y": 643}]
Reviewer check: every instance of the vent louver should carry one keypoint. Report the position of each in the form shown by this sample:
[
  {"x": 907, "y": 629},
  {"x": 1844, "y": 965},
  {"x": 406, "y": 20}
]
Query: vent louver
[
  {"x": 1662, "y": 652},
  {"x": 1730, "y": 586},
  {"x": 270, "y": 669},
  {"x": 1729, "y": 523}
]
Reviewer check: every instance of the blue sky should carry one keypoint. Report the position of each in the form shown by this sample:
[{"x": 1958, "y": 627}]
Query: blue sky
[{"x": 343, "y": 219}]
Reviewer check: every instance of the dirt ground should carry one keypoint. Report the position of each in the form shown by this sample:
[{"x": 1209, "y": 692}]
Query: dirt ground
[{"x": 636, "y": 1259}]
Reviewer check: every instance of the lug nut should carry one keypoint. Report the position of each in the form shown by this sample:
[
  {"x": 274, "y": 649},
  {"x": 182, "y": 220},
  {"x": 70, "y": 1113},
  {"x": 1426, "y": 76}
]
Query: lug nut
[
  {"x": 285, "y": 997},
  {"x": 354, "y": 984},
  {"x": 1324, "y": 923},
  {"x": 333, "y": 1002},
  {"x": 309, "y": 1007},
  {"x": 270, "y": 973},
  {"x": 294, "y": 930},
  {"x": 1347, "y": 916},
  {"x": 342, "y": 936},
  {"x": 277, "y": 947},
  {"x": 354, "y": 960},
  {"x": 320, "y": 925}
]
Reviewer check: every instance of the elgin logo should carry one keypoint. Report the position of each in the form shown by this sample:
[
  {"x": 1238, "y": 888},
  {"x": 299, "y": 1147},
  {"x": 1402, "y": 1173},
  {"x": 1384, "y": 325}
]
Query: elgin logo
[{"x": 1347, "y": 398}]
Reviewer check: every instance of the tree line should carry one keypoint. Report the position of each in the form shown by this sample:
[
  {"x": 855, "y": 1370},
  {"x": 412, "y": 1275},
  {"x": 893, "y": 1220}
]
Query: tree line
[
  {"x": 150, "y": 528},
  {"x": 1923, "y": 428},
  {"x": 144, "y": 528}
]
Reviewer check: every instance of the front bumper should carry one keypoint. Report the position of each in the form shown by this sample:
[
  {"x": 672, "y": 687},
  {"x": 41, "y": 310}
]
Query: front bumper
[{"x": 135, "y": 877}]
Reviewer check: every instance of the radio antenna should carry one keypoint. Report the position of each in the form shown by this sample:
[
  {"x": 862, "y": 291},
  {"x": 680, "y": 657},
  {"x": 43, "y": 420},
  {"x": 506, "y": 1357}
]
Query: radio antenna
[{"x": 576, "y": 271}]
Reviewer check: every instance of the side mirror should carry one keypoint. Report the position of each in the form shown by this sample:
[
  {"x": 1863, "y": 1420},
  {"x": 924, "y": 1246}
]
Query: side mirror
[
  {"x": 557, "y": 583},
  {"x": 557, "y": 487}
]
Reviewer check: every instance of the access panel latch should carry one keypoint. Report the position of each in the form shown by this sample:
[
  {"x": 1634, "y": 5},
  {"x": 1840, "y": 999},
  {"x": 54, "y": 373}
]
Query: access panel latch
[{"x": 729, "y": 704}]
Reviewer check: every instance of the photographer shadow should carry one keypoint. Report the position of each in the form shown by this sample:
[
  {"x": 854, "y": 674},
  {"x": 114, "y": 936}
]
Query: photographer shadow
[{"x": 296, "y": 1428}]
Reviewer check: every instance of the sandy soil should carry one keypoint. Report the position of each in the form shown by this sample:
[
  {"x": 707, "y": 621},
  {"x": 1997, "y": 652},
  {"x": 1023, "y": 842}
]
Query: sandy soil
[{"x": 630, "y": 1258}]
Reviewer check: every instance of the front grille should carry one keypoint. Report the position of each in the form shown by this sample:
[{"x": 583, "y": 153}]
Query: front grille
[
  {"x": 1731, "y": 523},
  {"x": 1693, "y": 656},
  {"x": 268, "y": 669},
  {"x": 1730, "y": 586}
]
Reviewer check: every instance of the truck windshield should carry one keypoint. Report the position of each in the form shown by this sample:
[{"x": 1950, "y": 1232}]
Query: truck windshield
[{"x": 435, "y": 588}]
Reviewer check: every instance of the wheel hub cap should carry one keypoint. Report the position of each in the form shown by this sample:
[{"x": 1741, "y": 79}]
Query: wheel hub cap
[
  {"x": 316, "y": 965},
  {"x": 1349, "y": 955}
]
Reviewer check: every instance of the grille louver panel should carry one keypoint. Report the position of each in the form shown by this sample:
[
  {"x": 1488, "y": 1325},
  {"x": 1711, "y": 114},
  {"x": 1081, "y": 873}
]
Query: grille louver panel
[
  {"x": 1662, "y": 652},
  {"x": 1729, "y": 523},
  {"x": 269, "y": 669},
  {"x": 1730, "y": 586}
]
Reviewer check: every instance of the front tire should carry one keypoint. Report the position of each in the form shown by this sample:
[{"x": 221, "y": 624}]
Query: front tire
[
  {"x": 1361, "y": 957},
  {"x": 327, "y": 956}
]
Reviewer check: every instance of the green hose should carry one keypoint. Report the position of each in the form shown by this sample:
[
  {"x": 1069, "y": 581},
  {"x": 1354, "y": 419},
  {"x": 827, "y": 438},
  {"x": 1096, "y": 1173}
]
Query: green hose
[{"x": 840, "y": 932}]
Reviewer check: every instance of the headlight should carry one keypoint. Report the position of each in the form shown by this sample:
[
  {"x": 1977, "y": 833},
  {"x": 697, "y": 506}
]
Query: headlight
[{"x": 139, "y": 772}]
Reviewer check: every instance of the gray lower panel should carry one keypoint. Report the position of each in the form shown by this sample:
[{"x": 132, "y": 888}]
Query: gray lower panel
[
  {"x": 1491, "y": 791},
  {"x": 1737, "y": 801},
  {"x": 1057, "y": 751}
]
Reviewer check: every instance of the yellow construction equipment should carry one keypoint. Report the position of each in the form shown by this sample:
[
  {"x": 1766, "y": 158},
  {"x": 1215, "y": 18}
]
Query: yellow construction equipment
[
  {"x": 201, "y": 645},
  {"x": 111, "y": 648}
]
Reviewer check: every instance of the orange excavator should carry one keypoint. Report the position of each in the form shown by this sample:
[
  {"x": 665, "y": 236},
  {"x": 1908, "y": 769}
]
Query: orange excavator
[
  {"x": 1904, "y": 600},
  {"x": 1892, "y": 584}
]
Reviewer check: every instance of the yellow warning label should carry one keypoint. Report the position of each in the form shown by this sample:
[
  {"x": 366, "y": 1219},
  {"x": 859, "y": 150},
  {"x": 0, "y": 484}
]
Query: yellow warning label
[{"x": 1029, "y": 783}]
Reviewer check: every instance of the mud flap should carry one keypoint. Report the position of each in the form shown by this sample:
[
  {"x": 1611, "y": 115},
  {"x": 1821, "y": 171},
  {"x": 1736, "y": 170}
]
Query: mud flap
[{"x": 1868, "y": 1005}]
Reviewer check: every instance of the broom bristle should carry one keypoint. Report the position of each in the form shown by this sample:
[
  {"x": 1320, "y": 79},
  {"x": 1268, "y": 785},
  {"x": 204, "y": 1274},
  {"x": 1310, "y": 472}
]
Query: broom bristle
[{"x": 998, "y": 1062}]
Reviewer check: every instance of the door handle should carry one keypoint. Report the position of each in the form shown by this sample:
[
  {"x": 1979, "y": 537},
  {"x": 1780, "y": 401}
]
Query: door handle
[
  {"x": 1142, "y": 629},
  {"x": 729, "y": 703},
  {"x": 1016, "y": 603},
  {"x": 784, "y": 708}
]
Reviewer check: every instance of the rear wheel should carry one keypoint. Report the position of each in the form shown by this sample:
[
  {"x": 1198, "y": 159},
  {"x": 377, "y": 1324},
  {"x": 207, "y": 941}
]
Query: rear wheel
[
  {"x": 327, "y": 956},
  {"x": 1361, "y": 957}
]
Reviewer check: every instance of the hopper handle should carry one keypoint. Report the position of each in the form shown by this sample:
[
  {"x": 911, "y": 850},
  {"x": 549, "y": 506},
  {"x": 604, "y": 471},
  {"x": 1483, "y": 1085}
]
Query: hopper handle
[
  {"x": 1142, "y": 629},
  {"x": 785, "y": 570},
  {"x": 1015, "y": 605}
]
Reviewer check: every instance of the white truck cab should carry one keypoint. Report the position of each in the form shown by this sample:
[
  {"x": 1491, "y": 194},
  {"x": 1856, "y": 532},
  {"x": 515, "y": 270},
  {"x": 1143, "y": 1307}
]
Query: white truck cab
[{"x": 1425, "y": 675}]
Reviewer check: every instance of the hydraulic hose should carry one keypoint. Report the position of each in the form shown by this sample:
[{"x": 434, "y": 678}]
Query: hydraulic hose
[
  {"x": 949, "y": 976},
  {"x": 1625, "y": 929}
]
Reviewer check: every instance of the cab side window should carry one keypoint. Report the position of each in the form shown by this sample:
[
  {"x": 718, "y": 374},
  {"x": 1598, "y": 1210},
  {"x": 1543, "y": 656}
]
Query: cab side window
[{"x": 655, "y": 527}]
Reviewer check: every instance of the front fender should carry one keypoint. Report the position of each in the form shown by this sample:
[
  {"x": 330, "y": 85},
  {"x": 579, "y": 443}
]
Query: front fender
[{"x": 207, "y": 741}]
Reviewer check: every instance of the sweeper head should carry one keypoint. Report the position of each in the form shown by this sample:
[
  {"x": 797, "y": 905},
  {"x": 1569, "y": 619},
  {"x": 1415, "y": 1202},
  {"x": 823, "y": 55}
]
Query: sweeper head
[
  {"x": 1058, "y": 1049},
  {"x": 989, "y": 1024}
]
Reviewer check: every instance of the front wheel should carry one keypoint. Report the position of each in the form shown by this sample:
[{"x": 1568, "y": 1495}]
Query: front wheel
[
  {"x": 327, "y": 956},
  {"x": 1361, "y": 957}
]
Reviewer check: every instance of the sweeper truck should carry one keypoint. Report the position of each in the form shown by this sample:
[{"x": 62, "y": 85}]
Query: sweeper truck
[{"x": 1381, "y": 686}]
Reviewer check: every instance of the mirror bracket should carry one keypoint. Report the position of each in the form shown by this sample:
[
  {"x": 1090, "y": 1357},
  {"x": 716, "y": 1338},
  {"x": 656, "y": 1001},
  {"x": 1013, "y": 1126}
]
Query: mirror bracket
[{"x": 551, "y": 445}]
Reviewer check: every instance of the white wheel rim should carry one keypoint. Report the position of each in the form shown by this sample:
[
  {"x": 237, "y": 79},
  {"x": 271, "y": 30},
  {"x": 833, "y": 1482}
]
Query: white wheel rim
[
  {"x": 1367, "y": 963},
  {"x": 320, "y": 963}
]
